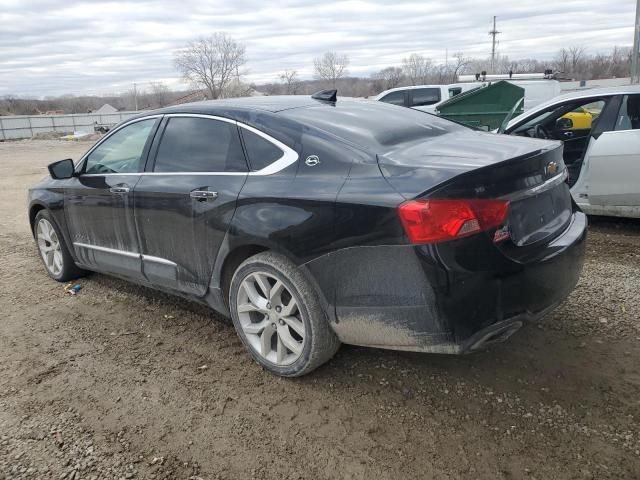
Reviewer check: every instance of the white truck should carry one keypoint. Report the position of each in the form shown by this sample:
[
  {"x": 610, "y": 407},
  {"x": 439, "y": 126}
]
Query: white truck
[{"x": 537, "y": 88}]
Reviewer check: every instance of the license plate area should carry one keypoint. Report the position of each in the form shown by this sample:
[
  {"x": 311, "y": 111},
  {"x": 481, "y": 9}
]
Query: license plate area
[{"x": 539, "y": 217}]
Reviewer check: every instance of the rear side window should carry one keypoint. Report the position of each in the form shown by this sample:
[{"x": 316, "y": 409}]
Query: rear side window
[
  {"x": 261, "y": 152},
  {"x": 394, "y": 98},
  {"x": 193, "y": 144},
  {"x": 425, "y": 96}
]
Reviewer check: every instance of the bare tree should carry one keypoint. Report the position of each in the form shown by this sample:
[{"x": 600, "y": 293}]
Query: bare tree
[
  {"x": 562, "y": 62},
  {"x": 417, "y": 68},
  {"x": 10, "y": 105},
  {"x": 291, "y": 82},
  {"x": 212, "y": 63},
  {"x": 331, "y": 67},
  {"x": 389, "y": 77},
  {"x": 237, "y": 88},
  {"x": 160, "y": 94},
  {"x": 576, "y": 55},
  {"x": 272, "y": 88},
  {"x": 128, "y": 99},
  {"x": 620, "y": 62},
  {"x": 461, "y": 63}
]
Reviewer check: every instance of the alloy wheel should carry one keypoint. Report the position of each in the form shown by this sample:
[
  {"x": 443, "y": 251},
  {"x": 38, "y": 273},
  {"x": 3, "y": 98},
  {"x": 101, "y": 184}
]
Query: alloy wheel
[
  {"x": 270, "y": 318},
  {"x": 49, "y": 246}
]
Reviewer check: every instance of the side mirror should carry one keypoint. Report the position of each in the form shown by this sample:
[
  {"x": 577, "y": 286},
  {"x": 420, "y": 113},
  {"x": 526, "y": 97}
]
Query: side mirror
[
  {"x": 564, "y": 123},
  {"x": 61, "y": 169}
]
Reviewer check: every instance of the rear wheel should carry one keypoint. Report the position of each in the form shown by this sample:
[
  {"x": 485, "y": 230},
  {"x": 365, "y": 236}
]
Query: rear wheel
[
  {"x": 278, "y": 316},
  {"x": 53, "y": 249}
]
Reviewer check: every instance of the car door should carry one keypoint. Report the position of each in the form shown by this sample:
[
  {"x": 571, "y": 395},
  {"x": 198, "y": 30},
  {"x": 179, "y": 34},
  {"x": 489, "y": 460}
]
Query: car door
[
  {"x": 186, "y": 199},
  {"x": 574, "y": 129},
  {"x": 613, "y": 159},
  {"x": 556, "y": 122},
  {"x": 98, "y": 202}
]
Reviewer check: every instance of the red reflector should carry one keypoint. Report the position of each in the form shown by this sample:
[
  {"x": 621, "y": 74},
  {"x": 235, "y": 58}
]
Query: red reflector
[{"x": 430, "y": 221}]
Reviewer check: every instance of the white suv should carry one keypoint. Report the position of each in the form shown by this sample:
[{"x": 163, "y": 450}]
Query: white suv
[{"x": 424, "y": 97}]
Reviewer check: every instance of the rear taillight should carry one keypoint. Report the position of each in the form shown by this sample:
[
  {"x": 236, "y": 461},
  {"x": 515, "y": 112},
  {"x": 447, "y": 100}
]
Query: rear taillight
[{"x": 431, "y": 221}]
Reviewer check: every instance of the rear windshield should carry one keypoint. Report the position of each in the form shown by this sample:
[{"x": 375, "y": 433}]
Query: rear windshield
[{"x": 374, "y": 125}]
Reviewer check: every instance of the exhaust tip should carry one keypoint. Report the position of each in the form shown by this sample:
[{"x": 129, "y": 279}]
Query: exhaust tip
[{"x": 497, "y": 335}]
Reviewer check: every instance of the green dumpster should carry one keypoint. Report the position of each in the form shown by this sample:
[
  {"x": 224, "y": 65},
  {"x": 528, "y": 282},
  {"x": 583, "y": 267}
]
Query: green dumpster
[{"x": 484, "y": 107}]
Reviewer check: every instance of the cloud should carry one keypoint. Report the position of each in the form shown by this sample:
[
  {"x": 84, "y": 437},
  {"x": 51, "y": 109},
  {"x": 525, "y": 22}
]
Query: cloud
[{"x": 50, "y": 47}]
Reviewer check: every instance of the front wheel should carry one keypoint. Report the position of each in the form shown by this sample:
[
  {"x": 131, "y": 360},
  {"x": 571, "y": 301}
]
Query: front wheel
[
  {"x": 278, "y": 316},
  {"x": 53, "y": 250}
]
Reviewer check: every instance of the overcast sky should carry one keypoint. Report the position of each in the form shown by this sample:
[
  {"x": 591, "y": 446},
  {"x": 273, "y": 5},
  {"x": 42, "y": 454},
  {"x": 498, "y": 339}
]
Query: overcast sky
[{"x": 52, "y": 47}]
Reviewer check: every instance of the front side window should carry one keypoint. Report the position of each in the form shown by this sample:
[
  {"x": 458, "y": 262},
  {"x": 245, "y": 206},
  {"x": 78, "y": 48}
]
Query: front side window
[
  {"x": 394, "y": 98},
  {"x": 194, "y": 144},
  {"x": 425, "y": 96},
  {"x": 629, "y": 114},
  {"x": 552, "y": 123},
  {"x": 261, "y": 152},
  {"x": 122, "y": 151}
]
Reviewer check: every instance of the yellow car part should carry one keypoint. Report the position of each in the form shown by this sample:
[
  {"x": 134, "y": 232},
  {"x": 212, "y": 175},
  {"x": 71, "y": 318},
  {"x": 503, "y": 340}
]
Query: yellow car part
[{"x": 580, "y": 118}]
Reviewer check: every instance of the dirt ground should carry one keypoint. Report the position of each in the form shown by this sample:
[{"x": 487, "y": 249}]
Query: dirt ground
[{"x": 123, "y": 382}]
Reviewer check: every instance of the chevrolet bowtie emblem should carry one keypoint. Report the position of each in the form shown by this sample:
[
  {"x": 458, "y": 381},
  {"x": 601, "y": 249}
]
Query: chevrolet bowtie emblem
[{"x": 551, "y": 169}]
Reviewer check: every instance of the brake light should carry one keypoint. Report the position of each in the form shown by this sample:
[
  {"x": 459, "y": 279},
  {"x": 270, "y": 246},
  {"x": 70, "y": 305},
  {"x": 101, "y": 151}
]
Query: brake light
[{"x": 431, "y": 221}]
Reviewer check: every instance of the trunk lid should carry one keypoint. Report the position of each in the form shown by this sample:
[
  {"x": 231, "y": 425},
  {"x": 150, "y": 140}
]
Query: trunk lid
[{"x": 529, "y": 173}]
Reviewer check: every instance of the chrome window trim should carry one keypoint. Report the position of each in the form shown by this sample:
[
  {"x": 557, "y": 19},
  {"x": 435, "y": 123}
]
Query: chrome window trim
[
  {"x": 114, "y": 251},
  {"x": 200, "y": 115},
  {"x": 289, "y": 156}
]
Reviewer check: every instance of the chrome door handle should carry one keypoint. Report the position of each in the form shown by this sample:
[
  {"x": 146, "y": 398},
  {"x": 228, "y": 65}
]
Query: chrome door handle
[
  {"x": 203, "y": 195},
  {"x": 119, "y": 190}
]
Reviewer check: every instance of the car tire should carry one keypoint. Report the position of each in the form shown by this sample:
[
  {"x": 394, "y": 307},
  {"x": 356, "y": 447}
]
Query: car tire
[
  {"x": 288, "y": 339},
  {"x": 53, "y": 249}
]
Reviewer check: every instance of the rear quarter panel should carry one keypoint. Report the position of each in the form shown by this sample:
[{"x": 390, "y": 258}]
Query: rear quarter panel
[{"x": 293, "y": 212}]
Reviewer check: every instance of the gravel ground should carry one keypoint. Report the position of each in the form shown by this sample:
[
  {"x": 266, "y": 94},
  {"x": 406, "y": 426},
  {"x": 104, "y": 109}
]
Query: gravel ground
[{"x": 124, "y": 382}]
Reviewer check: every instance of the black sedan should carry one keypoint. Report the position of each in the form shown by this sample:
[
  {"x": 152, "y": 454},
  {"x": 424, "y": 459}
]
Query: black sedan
[{"x": 312, "y": 221}]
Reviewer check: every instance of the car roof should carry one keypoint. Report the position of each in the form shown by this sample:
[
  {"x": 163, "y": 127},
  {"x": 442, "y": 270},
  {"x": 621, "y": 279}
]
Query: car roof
[
  {"x": 265, "y": 103},
  {"x": 374, "y": 126}
]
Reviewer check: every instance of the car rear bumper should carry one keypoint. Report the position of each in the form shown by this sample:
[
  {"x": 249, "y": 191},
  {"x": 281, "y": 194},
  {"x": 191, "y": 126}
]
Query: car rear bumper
[{"x": 450, "y": 298}]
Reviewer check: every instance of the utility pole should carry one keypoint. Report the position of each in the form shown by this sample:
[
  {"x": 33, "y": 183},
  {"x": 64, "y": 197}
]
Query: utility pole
[
  {"x": 493, "y": 34},
  {"x": 135, "y": 92},
  {"x": 635, "y": 54}
]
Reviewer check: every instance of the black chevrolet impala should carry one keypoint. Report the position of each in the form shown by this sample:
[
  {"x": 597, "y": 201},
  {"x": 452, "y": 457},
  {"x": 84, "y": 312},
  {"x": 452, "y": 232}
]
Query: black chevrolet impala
[{"x": 312, "y": 221}]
